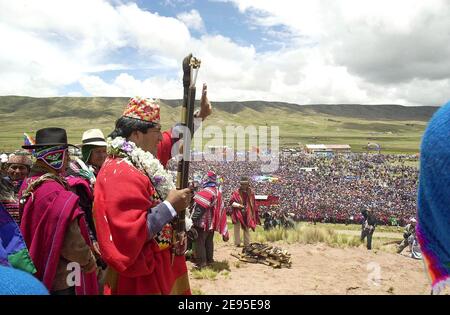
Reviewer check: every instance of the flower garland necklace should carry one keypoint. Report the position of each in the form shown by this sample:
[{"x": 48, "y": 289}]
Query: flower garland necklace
[{"x": 161, "y": 179}]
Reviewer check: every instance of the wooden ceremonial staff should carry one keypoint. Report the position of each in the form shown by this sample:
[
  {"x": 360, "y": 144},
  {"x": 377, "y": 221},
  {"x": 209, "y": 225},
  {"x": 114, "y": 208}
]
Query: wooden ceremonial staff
[{"x": 190, "y": 70}]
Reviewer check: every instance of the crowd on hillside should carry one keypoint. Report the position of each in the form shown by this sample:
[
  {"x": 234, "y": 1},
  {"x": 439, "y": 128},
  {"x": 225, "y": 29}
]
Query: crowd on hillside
[{"x": 331, "y": 189}]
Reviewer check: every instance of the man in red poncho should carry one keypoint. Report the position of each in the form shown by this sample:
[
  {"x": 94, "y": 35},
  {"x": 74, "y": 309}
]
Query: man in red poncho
[
  {"x": 52, "y": 224},
  {"x": 244, "y": 212},
  {"x": 135, "y": 201},
  {"x": 209, "y": 216},
  {"x": 134, "y": 222}
]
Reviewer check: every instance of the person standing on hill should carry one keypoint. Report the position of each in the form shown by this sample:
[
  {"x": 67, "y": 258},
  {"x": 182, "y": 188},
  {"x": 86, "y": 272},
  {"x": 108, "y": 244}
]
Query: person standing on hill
[
  {"x": 135, "y": 202},
  {"x": 81, "y": 177},
  {"x": 408, "y": 235},
  {"x": 368, "y": 226},
  {"x": 208, "y": 216},
  {"x": 244, "y": 212},
  {"x": 53, "y": 225}
]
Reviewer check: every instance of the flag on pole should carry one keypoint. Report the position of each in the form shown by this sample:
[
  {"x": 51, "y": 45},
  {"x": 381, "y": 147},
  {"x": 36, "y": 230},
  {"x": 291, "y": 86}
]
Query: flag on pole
[{"x": 28, "y": 140}]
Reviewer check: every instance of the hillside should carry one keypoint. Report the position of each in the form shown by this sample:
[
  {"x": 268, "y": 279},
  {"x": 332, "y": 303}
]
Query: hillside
[
  {"x": 368, "y": 112},
  {"x": 396, "y": 128}
]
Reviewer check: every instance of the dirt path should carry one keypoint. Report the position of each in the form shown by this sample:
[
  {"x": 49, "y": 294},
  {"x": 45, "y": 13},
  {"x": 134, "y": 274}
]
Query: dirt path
[{"x": 318, "y": 269}]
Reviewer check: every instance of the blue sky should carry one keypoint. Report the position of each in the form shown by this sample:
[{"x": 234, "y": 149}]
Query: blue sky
[
  {"x": 218, "y": 17},
  {"x": 304, "y": 52}
]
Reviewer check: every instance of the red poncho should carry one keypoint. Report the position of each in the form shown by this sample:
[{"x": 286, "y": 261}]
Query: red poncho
[
  {"x": 46, "y": 217},
  {"x": 165, "y": 148},
  {"x": 251, "y": 217},
  {"x": 138, "y": 265}
]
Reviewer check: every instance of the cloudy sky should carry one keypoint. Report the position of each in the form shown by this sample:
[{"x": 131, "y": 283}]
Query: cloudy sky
[{"x": 299, "y": 51}]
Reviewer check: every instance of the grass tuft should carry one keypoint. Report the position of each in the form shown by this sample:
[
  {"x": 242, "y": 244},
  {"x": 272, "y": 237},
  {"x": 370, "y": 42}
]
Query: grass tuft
[
  {"x": 314, "y": 234},
  {"x": 205, "y": 273}
]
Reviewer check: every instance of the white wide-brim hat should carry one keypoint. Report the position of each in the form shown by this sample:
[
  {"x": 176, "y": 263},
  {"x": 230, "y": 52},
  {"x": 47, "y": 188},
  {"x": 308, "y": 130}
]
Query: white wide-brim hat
[{"x": 93, "y": 137}]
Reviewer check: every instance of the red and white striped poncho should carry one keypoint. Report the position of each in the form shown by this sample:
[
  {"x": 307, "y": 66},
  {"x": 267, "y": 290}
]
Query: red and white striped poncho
[
  {"x": 248, "y": 218},
  {"x": 215, "y": 217}
]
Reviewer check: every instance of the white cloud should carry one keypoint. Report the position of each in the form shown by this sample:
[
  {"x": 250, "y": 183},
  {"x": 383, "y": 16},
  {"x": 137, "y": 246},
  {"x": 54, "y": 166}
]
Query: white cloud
[
  {"x": 380, "y": 44},
  {"x": 192, "y": 20},
  {"x": 56, "y": 43},
  {"x": 329, "y": 51},
  {"x": 126, "y": 85},
  {"x": 151, "y": 32}
]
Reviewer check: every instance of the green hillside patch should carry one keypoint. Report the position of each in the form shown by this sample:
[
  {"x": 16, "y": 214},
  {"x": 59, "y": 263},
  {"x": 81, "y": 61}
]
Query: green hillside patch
[{"x": 396, "y": 128}]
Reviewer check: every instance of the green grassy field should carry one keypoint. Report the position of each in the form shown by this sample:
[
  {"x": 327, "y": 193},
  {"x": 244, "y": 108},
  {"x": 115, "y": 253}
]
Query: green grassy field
[
  {"x": 20, "y": 114},
  {"x": 334, "y": 235}
]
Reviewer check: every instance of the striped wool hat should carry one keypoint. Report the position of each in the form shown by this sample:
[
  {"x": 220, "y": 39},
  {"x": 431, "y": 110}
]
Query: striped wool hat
[
  {"x": 433, "y": 215},
  {"x": 211, "y": 176},
  {"x": 19, "y": 159}
]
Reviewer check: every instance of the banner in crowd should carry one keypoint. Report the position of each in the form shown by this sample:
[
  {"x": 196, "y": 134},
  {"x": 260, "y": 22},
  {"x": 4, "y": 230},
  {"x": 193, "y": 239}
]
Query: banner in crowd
[
  {"x": 265, "y": 178},
  {"x": 266, "y": 200}
]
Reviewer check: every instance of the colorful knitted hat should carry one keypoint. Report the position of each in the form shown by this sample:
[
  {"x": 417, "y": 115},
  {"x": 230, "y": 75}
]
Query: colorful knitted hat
[
  {"x": 210, "y": 179},
  {"x": 433, "y": 216},
  {"x": 211, "y": 176},
  {"x": 145, "y": 109}
]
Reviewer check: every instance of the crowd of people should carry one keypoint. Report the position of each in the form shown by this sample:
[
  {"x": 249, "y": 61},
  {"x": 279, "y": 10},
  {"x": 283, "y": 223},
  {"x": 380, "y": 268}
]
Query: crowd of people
[
  {"x": 311, "y": 187},
  {"x": 332, "y": 189}
]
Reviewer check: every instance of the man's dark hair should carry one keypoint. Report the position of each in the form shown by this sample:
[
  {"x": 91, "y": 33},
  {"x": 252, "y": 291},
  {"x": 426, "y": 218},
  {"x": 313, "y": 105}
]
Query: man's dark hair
[{"x": 126, "y": 125}]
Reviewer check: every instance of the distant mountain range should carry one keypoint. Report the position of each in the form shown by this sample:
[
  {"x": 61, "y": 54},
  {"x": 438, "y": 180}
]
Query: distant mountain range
[
  {"x": 397, "y": 128},
  {"x": 360, "y": 111},
  {"x": 92, "y": 107}
]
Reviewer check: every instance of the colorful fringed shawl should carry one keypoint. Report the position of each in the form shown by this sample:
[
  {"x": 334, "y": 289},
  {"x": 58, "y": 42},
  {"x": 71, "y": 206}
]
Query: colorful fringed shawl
[
  {"x": 46, "y": 216},
  {"x": 13, "y": 251}
]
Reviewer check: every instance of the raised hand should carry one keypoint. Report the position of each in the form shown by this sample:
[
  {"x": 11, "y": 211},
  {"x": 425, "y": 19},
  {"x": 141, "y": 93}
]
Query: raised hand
[{"x": 205, "y": 104}]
